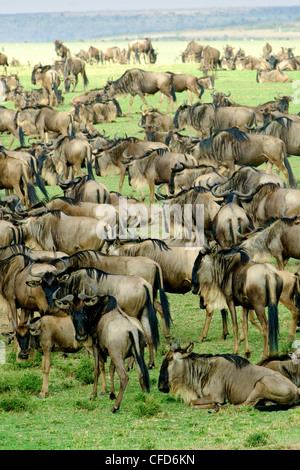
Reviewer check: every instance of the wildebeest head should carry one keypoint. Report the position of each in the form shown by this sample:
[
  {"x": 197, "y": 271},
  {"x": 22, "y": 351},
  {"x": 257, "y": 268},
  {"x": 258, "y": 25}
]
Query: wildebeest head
[
  {"x": 175, "y": 354},
  {"x": 26, "y": 332}
]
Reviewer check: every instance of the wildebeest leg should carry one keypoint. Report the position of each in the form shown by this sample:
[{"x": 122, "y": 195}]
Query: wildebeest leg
[
  {"x": 112, "y": 368},
  {"x": 245, "y": 331},
  {"x": 119, "y": 365},
  {"x": 207, "y": 402},
  {"x": 273, "y": 389},
  {"x": 289, "y": 304},
  {"x": 11, "y": 141},
  {"x": 122, "y": 177},
  {"x": 143, "y": 100},
  {"x": 75, "y": 82},
  {"x": 45, "y": 371},
  {"x": 152, "y": 190},
  {"x": 147, "y": 331},
  {"x": 260, "y": 312},
  {"x": 232, "y": 310},
  {"x": 158, "y": 308},
  {"x": 225, "y": 332},
  {"x": 208, "y": 317},
  {"x": 98, "y": 368}
]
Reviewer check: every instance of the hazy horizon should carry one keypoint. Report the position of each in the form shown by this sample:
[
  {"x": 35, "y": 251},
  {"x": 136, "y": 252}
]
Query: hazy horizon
[{"x": 33, "y": 6}]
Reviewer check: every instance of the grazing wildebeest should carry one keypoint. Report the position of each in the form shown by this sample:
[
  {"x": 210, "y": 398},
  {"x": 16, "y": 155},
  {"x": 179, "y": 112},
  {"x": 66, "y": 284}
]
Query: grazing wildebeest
[
  {"x": 140, "y": 82},
  {"x": 210, "y": 58},
  {"x": 61, "y": 49},
  {"x": 228, "y": 278},
  {"x": 48, "y": 334},
  {"x": 4, "y": 61},
  {"x": 234, "y": 147},
  {"x": 207, "y": 118},
  {"x": 86, "y": 189},
  {"x": 267, "y": 49},
  {"x": 73, "y": 67},
  {"x": 141, "y": 48},
  {"x": 192, "y": 52},
  {"x": 186, "y": 82},
  {"x": 265, "y": 76},
  {"x": 209, "y": 381},
  {"x": 114, "y": 335},
  {"x": 84, "y": 55},
  {"x": 184, "y": 177},
  {"x": 48, "y": 79}
]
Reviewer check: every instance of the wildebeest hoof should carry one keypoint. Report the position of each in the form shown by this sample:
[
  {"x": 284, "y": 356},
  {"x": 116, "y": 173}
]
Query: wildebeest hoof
[
  {"x": 112, "y": 396},
  {"x": 150, "y": 366},
  {"x": 114, "y": 409}
]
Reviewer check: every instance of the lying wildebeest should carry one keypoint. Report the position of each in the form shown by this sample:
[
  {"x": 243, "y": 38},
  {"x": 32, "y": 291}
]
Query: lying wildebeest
[
  {"x": 228, "y": 278},
  {"x": 264, "y": 76},
  {"x": 154, "y": 120},
  {"x": 91, "y": 96},
  {"x": 154, "y": 168},
  {"x": 48, "y": 79},
  {"x": 73, "y": 67},
  {"x": 270, "y": 200},
  {"x": 48, "y": 334},
  {"x": 284, "y": 364},
  {"x": 141, "y": 82},
  {"x": 251, "y": 63},
  {"x": 207, "y": 119},
  {"x": 8, "y": 124},
  {"x": 235, "y": 147},
  {"x": 34, "y": 98},
  {"x": 114, "y": 334},
  {"x": 278, "y": 238},
  {"x": 184, "y": 177},
  {"x": 107, "y": 110},
  {"x": 207, "y": 381}
]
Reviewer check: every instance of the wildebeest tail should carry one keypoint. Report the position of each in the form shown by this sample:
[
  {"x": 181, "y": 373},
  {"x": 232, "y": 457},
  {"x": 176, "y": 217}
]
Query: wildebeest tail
[
  {"x": 38, "y": 179},
  {"x": 201, "y": 89},
  {"x": 88, "y": 162},
  {"x": 72, "y": 128},
  {"x": 20, "y": 130},
  {"x": 172, "y": 88},
  {"x": 277, "y": 407},
  {"x": 152, "y": 319},
  {"x": 296, "y": 295},
  {"x": 292, "y": 180},
  {"x": 273, "y": 293},
  {"x": 137, "y": 338},
  {"x": 163, "y": 297},
  {"x": 85, "y": 79}
]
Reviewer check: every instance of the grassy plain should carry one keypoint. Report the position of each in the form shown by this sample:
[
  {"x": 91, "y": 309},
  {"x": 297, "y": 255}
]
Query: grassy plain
[{"x": 66, "y": 419}]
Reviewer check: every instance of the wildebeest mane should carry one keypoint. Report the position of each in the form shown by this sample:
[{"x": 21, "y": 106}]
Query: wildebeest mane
[
  {"x": 239, "y": 361},
  {"x": 267, "y": 360}
]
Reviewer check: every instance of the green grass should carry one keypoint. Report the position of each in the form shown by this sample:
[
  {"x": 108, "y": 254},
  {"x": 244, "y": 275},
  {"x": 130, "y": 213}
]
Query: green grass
[{"x": 66, "y": 418}]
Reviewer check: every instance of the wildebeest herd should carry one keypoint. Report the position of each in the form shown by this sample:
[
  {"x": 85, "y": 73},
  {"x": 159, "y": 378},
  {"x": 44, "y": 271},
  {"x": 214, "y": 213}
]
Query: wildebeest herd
[{"x": 75, "y": 271}]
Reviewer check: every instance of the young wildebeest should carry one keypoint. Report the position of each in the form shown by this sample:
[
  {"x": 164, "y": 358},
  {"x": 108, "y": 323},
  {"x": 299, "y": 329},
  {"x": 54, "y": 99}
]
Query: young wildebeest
[
  {"x": 8, "y": 124},
  {"x": 141, "y": 82},
  {"x": 73, "y": 67},
  {"x": 48, "y": 79},
  {"x": 48, "y": 334},
  {"x": 49, "y": 119},
  {"x": 228, "y": 278},
  {"x": 287, "y": 365},
  {"x": 114, "y": 334},
  {"x": 207, "y": 381}
]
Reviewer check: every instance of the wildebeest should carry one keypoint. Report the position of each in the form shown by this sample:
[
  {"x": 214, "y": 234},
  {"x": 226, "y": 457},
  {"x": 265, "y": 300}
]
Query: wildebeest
[
  {"x": 207, "y": 381},
  {"x": 114, "y": 334},
  {"x": 285, "y": 365},
  {"x": 192, "y": 52},
  {"x": 49, "y": 119},
  {"x": 73, "y": 67},
  {"x": 270, "y": 200},
  {"x": 84, "y": 55},
  {"x": 231, "y": 223},
  {"x": 86, "y": 189},
  {"x": 48, "y": 79},
  {"x": 8, "y": 124},
  {"x": 35, "y": 98},
  {"x": 133, "y": 294},
  {"x": 110, "y": 55},
  {"x": 141, "y": 48},
  {"x": 184, "y": 177},
  {"x": 265, "y": 76},
  {"x": 4, "y": 61},
  {"x": 267, "y": 49},
  {"x": 187, "y": 82},
  {"x": 154, "y": 120},
  {"x": 61, "y": 49},
  {"x": 277, "y": 237},
  {"x": 207, "y": 119},
  {"x": 140, "y": 82},
  {"x": 176, "y": 262},
  {"x": 107, "y": 110},
  {"x": 234, "y": 147},
  {"x": 228, "y": 278},
  {"x": 285, "y": 129},
  {"x": 154, "y": 168},
  {"x": 94, "y": 54},
  {"x": 48, "y": 334},
  {"x": 210, "y": 58}
]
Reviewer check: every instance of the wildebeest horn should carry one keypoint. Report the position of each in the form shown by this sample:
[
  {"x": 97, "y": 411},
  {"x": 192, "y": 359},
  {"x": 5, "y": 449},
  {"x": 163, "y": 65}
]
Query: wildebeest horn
[
  {"x": 249, "y": 128},
  {"x": 224, "y": 194},
  {"x": 67, "y": 298},
  {"x": 162, "y": 196},
  {"x": 228, "y": 94},
  {"x": 85, "y": 296},
  {"x": 20, "y": 211},
  {"x": 31, "y": 273}
]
